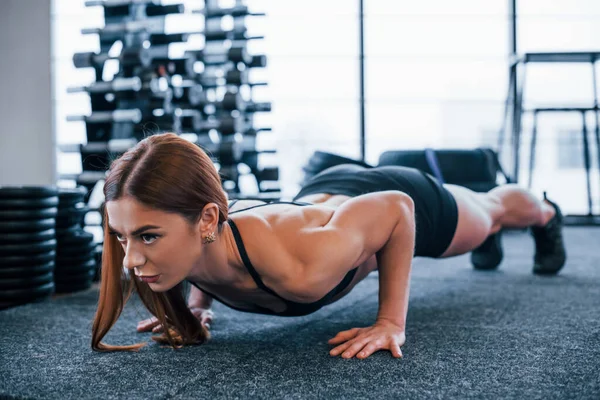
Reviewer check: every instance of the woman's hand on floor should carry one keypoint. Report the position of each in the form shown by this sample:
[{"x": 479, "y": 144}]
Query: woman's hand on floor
[
  {"x": 383, "y": 335},
  {"x": 205, "y": 316}
]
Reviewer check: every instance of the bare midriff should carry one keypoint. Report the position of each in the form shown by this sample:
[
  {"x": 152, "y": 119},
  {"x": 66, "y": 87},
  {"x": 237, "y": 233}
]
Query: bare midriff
[{"x": 247, "y": 292}]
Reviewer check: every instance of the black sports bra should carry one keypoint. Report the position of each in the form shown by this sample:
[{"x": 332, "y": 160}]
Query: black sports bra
[{"x": 294, "y": 309}]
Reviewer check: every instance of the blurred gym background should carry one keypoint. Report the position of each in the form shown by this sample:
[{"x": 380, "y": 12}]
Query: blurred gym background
[
  {"x": 276, "y": 91},
  {"x": 436, "y": 74}
]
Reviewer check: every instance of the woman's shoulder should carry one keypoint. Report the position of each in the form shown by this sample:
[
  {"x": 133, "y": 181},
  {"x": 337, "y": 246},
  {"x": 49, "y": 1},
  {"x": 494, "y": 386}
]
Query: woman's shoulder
[{"x": 275, "y": 239}]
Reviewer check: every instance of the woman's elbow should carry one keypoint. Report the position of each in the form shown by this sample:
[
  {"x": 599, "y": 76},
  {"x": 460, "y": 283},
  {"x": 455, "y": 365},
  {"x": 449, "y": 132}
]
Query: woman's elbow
[{"x": 402, "y": 204}]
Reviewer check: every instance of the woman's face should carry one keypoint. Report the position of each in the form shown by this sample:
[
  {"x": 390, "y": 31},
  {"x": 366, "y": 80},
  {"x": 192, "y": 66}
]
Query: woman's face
[{"x": 154, "y": 242}]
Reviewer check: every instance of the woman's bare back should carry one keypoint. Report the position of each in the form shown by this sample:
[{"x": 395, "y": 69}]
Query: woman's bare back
[{"x": 245, "y": 292}]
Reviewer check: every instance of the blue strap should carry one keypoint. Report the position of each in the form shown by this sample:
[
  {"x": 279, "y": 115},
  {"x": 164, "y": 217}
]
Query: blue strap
[{"x": 432, "y": 161}]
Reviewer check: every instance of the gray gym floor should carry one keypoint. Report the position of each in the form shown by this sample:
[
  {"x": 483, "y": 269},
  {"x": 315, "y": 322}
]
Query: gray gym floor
[{"x": 470, "y": 334}]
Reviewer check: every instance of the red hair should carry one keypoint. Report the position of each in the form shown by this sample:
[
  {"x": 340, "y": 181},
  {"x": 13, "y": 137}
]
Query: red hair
[{"x": 170, "y": 174}]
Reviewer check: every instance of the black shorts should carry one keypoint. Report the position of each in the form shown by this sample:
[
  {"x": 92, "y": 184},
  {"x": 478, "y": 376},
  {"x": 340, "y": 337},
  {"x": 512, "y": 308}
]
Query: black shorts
[{"x": 436, "y": 212}]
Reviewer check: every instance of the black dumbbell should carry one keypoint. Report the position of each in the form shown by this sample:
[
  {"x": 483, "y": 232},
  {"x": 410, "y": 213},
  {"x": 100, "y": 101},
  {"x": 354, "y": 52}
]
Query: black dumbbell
[
  {"x": 258, "y": 61},
  {"x": 158, "y": 39},
  {"x": 232, "y": 34},
  {"x": 236, "y": 11},
  {"x": 224, "y": 124},
  {"x": 267, "y": 174},
  {"x": 232, "y": 150},
  {"x": 152, "y": 25},
  {"x": 116, "y": 85},
  {"x": 231, "y": 98},
  {"x": 153, "y": 8},
  {"x": 173, "y": 66},
  {"x": 129, "y": 56},
  {"x": 192, "y": 94},
  {"x": 150, "y": 96},
  {"x": 189, "y": 92},
  {"x": 238, "y": 78},
  {"x": 220, "y": 55},
  {"x": 153, "y": 87},
  {"x": 133, "y": 116}
]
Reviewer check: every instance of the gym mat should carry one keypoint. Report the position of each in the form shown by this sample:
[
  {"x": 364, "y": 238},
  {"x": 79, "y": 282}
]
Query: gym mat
[{"x": 470, "y": 334}]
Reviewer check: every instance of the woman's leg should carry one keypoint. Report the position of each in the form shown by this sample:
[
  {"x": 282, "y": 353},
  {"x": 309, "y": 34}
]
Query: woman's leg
[{"x": 483, "y": 214}]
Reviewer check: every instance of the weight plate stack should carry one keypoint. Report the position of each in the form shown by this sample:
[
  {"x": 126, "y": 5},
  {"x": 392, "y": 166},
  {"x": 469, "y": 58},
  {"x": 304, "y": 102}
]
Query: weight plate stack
[
  {"x": 75, "y": 261},
  {"x": 27, "y": 243}
]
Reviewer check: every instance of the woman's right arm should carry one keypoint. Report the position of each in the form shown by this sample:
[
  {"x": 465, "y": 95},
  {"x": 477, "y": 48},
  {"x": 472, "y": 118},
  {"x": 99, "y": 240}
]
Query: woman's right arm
[
  {"x": 197, "y": 298},
  {"x": 199, "y": 304}
]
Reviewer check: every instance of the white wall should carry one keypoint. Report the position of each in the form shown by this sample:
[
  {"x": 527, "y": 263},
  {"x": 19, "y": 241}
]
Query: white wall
[{"x": 27, "y": 144}]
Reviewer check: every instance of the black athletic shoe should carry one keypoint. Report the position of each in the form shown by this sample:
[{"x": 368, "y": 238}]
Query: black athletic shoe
[
  {"x": 550, "y": 254},
  {"x": 489, "y": 254}
]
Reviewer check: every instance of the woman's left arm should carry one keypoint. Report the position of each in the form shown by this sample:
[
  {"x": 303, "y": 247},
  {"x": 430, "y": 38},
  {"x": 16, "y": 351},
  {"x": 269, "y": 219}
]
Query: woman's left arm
[
  {"x": 394, "y": 264},
  {"x": 380, "y": 224}
]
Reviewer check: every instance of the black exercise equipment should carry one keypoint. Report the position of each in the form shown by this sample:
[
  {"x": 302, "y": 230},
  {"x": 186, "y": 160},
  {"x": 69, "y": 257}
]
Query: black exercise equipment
[
  {"x": 28, "y": 204},
  {"x": 152, "y": 92},
  {"x": 321, "y": 160},
  {"x": 28, "y": 236},
  {"x": 217, "y": 56},
  {"x": 9, "y": 271},
  {"x": 27, "y": 225},
  {"x": 235, "y": 11},
  {"x": 36, "y": 292},
  {"x": 476, "y": 169},
  {"x": 12, "y": 215},
  {"x": 71, "y": 196},
  {"x": 16, "y": 249},
  {"x": 26, "y": 282},
  {"x": 27, "y": 192},
  {"x": 128, "y": 57},
  {"x": 27, "y": 260}
]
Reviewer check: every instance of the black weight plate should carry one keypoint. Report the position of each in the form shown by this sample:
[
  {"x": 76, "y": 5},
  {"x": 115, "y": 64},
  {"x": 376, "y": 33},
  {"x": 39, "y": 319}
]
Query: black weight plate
[
  {"x": 19, "y": 215},
  {"x": 69, "y": 222},
  {"x": 98, "y": 253},
  {"x": 70, "y": 260},
  {"x": 76, "y": 268},
  {"x": 27, "y": 226},
  {"x": 71, "y": 279},
  {"x": 71, "y": 195},
  {"x": 28, "y": 237},
  {"x": 35, "y": 292},
  {"x": 79, "y": 250},
  {"x": 7, "y": 272},
  {"x": 27, "y": 192},
  {"x": 21, "y": 283},
  {"x": 72, "y": 224},
  {"x": 32, "y": 259},
  {"x": 28, "y": 248},
  {"x": 74, "y": 279},
  {"x": 28, "y": 204},
  {"x": 78, "y": 209},
  {"x": 73, "y": 287},
  {"x": 80, "y": 237},
  {"x": 72, "y": 230}
]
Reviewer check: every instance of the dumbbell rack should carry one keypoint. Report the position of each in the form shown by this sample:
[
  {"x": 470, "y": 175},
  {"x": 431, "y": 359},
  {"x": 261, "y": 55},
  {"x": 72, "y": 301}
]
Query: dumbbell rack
[{"x": 205, "y": 96}]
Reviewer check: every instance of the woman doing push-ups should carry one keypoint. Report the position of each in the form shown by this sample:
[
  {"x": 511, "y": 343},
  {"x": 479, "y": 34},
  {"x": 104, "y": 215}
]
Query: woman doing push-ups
[{"x": 167, "y": 220}]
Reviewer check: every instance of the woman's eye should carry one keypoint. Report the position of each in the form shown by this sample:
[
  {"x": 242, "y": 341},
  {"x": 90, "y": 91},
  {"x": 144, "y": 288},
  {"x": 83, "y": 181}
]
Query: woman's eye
[
  {"x": 153, "y": 237},
  {"x": 146, "y": 238}
]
